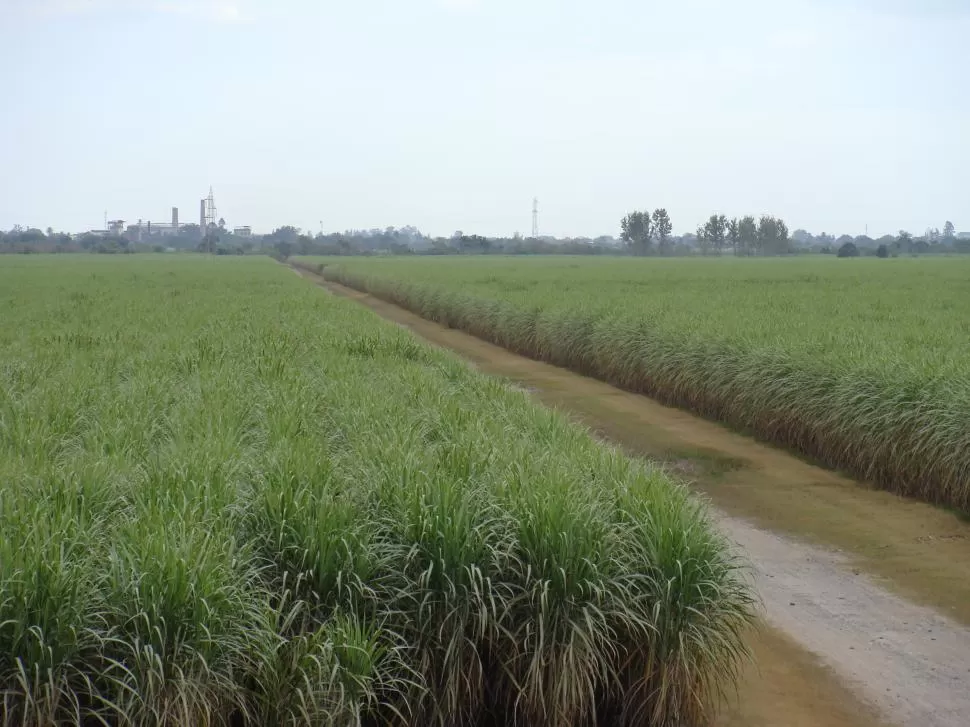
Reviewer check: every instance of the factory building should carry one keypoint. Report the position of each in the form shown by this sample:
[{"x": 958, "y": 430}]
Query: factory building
[
  {"x": 145, "y": 230},
  {"x": 210, "y": 225}
]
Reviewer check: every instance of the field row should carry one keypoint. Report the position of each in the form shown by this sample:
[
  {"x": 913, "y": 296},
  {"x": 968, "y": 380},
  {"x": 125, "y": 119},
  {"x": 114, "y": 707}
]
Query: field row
[
  {"x": 862, "y": 365},
  {"x": 228, "y": 498}
]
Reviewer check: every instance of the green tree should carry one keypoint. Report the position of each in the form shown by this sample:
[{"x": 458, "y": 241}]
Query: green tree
[
  {"x": 904, "y": 241},
  {"x": 734, "y": 235},
  {"x": 637, "y": 232},
  {"x": 748, "y": 235},
  {"x": 773, "y": 236},
  {"x": 662, "y": 228},
  {"x": 715, "y": 230},
  {"x": 631, "y": 229},
  {"x": 782, "y": 241},
  {"x": 949, "y": 231},
  {"x": 882, "y": 251},
  {"x": 703, "y": 242},
  {"x": 284, "y": 249},
  {"x": 848, "y": 249}
]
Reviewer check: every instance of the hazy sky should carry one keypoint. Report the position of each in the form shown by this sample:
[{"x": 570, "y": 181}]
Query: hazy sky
[{"x": 453, "y": 114}]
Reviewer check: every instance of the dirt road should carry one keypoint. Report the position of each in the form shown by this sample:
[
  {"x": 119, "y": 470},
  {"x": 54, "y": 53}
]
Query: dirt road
[
  {"x": 908, "y": 661},
  {"x": 867, "y": 596}
]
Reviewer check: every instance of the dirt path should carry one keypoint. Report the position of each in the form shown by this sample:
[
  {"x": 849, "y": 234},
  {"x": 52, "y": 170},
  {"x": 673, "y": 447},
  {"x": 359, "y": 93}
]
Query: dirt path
[
  {"x": 841, "y": 648},
  {"x": 910, "y": 662}
]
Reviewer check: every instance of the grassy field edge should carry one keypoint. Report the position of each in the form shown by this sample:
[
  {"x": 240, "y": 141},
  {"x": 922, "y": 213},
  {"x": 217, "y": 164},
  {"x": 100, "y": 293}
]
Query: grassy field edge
[
  {"x": 232, "y": 499},
  {"x": 919, "y": 449}
]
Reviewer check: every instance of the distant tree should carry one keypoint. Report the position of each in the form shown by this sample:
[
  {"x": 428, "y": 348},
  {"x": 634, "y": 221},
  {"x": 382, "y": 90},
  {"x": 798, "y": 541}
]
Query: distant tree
[
  {"x": 286, "y": 233},
  {"x": 50, "y": 231},
  {"x": 734, "y": 235},
  {"x": 768, "y": 235},
  {"x": 471, "y": 244},
  {"x": 284, "y": 249},
  {"x": 949, "y": 231},
  {"x": 864, "y": 241},
  {"x": 904, "y": 241},
  {"x": 748, "y": 235},
  {"x": 89, "y": 241},
  {"x": 715, "y": 230},
  {"x": 703, "y": 241},
  {"x": 848, "y": 250},
  {"x": 772, "y": 236},
  {"x": 882, "y": 251},
  {"x": 31, "y": 235},
  {"x": 662, "y": 228},
  {"x": 782, "y": 241},
  {"x": 637, "y": 232},
  {"x": 844, "y": 239},
  {"x": 304, "y": 245}
]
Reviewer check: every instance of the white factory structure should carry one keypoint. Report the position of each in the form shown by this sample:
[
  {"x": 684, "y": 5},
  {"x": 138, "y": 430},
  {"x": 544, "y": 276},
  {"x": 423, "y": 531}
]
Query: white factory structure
[{"x": 144, "y": 231}]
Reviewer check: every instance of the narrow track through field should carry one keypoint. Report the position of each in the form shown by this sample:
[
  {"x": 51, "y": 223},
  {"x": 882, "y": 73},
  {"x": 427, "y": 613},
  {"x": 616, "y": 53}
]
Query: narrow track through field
[{"x": 867, "y": 596}]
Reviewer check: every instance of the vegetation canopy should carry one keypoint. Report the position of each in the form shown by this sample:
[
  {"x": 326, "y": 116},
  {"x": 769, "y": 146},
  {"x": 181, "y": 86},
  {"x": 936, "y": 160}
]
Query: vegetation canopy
[
  {"x": 231, "y": 499},
  {"x": 863, "y": 366}
]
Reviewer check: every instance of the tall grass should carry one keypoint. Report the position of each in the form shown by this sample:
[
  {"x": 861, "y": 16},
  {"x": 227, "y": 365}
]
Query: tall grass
[
  {"x": 228, "y": 498},
  {"x": 860, "y": 364}
]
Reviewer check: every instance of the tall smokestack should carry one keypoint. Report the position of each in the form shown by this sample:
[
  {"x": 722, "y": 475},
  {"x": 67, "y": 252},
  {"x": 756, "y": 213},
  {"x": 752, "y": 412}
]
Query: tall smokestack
[{"x": 175, "y": 220}]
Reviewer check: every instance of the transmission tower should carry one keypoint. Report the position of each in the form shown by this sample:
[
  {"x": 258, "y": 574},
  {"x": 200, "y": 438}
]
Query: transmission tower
[
  {"x": 535, "y": 217},
  {"x": 211, "y": 224},
  {"x": 211, "y": 216}
]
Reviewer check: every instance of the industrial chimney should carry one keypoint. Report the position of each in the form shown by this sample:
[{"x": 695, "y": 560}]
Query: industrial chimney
[{"x": 175, "y": 220}]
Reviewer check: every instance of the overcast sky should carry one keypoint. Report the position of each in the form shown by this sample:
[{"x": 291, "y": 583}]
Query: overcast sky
[{"x": 453, "y": 114}]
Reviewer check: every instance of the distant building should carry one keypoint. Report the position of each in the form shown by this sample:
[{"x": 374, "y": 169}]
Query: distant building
[
  {"x": 146, "y": 230},
  {"x": 245, "y": 231},
  {"x": 963, "y": 235},
  {"x": 99, "y": 233},
  {"x": 116, "y": 228}
]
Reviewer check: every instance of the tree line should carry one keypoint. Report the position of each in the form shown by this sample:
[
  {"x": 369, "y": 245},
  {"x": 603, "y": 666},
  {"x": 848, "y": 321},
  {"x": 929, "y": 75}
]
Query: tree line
[
  {"x": 642, "y": 233},
  {"x": 649, "y": 233}
]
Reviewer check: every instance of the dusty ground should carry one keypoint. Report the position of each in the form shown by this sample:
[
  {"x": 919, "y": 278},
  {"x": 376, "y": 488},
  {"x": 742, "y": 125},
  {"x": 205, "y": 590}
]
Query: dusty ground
[
  {"x": 846, "y": 573},
  {"x": 907, "y": 660}
]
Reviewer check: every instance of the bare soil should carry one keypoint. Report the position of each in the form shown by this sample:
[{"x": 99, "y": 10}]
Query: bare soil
[{"x": 866, "y": 595}]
